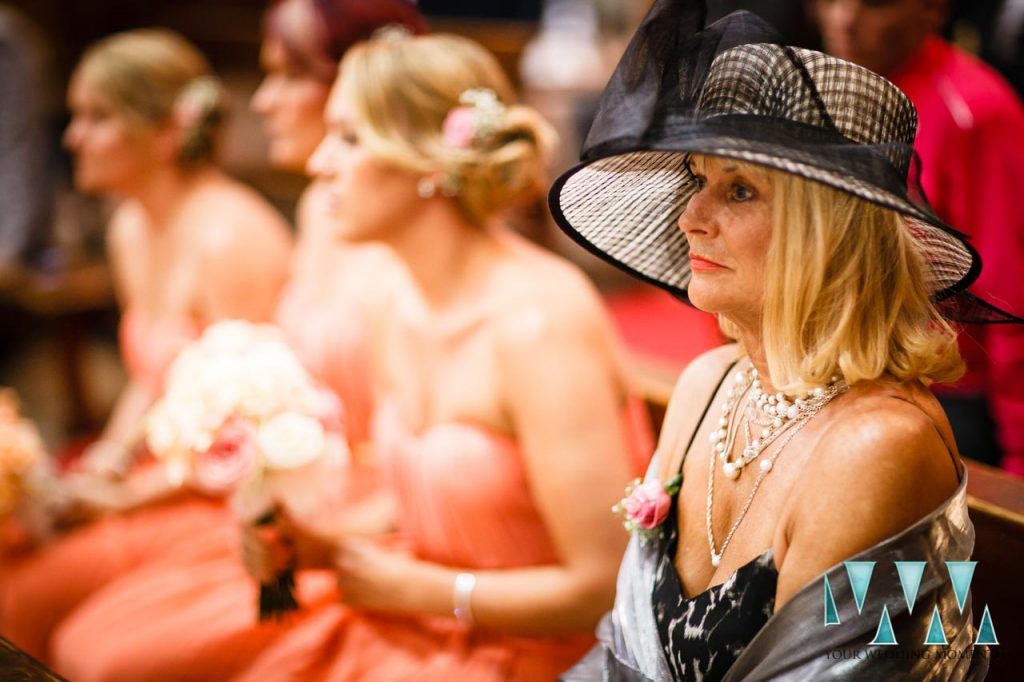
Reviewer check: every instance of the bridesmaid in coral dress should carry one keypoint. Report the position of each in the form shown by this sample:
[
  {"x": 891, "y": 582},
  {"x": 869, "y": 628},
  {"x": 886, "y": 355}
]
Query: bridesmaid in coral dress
[
  {"x": 503, "y": 426},
  {"x": 188, "y": 245},
  {"x": 322, "y": 313}
]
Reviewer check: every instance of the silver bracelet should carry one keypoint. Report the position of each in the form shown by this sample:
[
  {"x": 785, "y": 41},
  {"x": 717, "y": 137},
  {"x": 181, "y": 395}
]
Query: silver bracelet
[{"x": 462, "y": 596}]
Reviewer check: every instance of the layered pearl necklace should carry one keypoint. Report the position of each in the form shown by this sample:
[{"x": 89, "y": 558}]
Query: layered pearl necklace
[{"x": 775, "y": 415}]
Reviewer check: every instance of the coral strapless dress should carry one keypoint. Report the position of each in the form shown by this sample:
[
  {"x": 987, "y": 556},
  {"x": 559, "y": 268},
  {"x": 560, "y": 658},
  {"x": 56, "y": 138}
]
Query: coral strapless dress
[
  {"x": 196, "y": 619},
  {"x": 484, "y": 518},
  {"x": 37, "y": 590}
]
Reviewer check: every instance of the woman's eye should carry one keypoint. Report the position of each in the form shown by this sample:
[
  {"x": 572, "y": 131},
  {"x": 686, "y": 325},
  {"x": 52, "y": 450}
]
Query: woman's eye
[
  {"x": 700, "y": 180},
  {"x": 740, "y": 192}
]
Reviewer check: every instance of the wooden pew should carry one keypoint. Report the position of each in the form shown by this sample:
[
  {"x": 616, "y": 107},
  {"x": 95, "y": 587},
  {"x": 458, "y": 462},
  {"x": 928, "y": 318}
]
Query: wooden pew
[
  {"x": 996, "y": 506},
  {"x": 17, "y": 666}
]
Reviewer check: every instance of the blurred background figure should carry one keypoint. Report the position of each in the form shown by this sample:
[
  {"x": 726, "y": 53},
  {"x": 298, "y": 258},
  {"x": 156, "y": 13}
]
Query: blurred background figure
[
  {"x": 330, "y": 279},
  {"x": 26, "y": 175},
  {"x": 971, "y": 143},
  {"x": 518, "y": 543},
  {"x": 188, "y": 245},
  {"x": 332, "y": 287}
]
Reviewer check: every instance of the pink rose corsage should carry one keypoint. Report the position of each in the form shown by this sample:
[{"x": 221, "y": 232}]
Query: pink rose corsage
[{"x": 646, "y": 505}]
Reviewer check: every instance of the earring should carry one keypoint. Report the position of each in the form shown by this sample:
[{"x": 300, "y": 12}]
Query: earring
[{"x": 426, "y": 188}]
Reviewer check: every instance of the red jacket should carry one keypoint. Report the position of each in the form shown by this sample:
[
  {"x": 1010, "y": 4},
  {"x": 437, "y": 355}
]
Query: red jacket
[{"x": 971, "y": 142}]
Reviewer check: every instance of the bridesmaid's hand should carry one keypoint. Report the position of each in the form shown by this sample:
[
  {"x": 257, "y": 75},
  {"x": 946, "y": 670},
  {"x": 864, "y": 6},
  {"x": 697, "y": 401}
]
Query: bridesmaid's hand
[
  {"x": 89, "y": 496},
  {"x": 269, "y": 550},
  {"x": 266, "y": 552},
  {"x": 377, "y": 579}
]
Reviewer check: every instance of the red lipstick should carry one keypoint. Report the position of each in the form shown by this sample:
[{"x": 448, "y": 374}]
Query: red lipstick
[{"x": 701, "y": 264}]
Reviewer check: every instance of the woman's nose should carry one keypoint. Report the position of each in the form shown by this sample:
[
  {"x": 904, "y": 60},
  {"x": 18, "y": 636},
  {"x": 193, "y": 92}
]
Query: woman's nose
[
  {"x": 71, "y": 136},
  {"x": 697, "y": 215},
  {"x": 260, "y": 102},
  {"x": 319, "y": 164}
]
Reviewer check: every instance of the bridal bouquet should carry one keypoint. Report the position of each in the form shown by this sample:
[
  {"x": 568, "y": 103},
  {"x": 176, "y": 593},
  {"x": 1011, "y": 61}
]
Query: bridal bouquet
[
  {"x": 21, "y": 453},
  {"x": 241, "y": 416},
  {"x": 27, "y": 487}
]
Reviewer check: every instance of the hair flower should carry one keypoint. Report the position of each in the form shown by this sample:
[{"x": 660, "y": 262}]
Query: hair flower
[
  {"x": 478, "y": 117},
  {"x": 196, "y": 101},
  {"x": 646, "y": 505}
]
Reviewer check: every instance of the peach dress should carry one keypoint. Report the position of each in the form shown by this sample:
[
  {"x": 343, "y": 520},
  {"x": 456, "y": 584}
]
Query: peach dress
[
  {"x": 196, "y": 620},
  {"x": 37, "y": 590},
  {"x": 483, "y": 518}
]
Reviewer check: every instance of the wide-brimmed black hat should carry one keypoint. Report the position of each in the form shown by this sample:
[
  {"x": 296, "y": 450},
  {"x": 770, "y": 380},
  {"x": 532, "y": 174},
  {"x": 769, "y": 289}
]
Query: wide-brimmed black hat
[{"x": 734, "y": 90}]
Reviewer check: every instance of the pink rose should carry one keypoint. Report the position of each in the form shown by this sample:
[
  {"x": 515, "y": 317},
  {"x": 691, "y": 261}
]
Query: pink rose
[
  {"x": 648, "y": 505},
  {"x": 231, "y": 457},
  {"x": 459, "y": 128}
]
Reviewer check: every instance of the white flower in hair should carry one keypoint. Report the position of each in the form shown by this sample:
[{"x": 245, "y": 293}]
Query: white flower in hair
[
  {"x": 196, "y": 101},
  {"x": 479, "y": 117}
]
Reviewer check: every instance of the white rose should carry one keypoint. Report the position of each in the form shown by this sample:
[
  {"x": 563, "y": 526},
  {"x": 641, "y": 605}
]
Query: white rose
[
  {"x": 273, "y": 378},
  {"x": 161, "y": 436},
  {"x": 290, "y": 440},
  {"x": 229, "y": 336}
]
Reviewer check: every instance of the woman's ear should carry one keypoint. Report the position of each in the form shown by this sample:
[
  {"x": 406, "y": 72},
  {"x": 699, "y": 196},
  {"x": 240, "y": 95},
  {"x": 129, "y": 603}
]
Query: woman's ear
[{"x": 168, "y": 139}]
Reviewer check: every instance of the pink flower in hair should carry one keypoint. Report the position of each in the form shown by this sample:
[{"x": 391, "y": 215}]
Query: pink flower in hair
[{"x": 459, "y": 128}]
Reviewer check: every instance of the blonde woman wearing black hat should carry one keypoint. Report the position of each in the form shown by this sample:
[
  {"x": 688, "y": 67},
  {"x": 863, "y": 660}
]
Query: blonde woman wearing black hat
[{"x": 776, "y": 187}]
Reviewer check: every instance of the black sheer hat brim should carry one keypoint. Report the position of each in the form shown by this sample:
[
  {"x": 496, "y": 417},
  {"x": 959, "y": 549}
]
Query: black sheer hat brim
[{"x": 732, "y": 91}]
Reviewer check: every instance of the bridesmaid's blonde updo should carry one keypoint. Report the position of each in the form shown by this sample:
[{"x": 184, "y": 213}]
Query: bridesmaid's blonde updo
[
  {"x": 154, "y": 76},
  {"x": 403, "y": 88}
]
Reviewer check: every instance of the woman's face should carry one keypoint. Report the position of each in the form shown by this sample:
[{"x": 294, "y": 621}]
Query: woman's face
[
  {"x": 370, "y": 198},
  {"x": 109, "y": 154},
  {"x": 728, "y": 224},
  {"x": 292, "y": 106}
]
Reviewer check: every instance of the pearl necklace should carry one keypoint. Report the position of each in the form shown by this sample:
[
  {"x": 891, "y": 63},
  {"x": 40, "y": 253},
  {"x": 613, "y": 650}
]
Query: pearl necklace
[
  {"x": 776, "y": 414},
  {"x": 785, "y": 417}
]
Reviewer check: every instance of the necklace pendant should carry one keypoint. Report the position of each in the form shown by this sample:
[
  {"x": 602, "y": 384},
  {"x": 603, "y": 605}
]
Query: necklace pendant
[
  {"x": 731, "y": 471},
  {"x": 716, "y": 559}
]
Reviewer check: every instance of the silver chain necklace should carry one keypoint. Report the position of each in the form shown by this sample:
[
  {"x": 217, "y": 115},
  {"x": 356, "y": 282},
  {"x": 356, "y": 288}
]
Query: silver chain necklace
[{"x": 794, "y": 416}]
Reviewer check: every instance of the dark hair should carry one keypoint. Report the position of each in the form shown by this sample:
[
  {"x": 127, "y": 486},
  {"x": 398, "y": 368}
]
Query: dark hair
[{"x": 338, "y": 24}]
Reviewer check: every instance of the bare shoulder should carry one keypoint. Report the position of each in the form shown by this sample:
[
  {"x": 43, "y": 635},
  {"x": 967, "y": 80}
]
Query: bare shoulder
[
  {"x": 693, "y": 390},
  {"x": 705, "y": 371},
  {"x": 890, "y": 441},
  {"x": 878, "y": 467},
  {"x": 226, "y": 215},
  {"x": 546, "y": 300}
]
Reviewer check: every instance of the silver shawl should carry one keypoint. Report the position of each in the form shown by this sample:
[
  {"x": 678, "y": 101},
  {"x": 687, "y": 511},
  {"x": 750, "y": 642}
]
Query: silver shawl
[{"x": 795, "y": 644}]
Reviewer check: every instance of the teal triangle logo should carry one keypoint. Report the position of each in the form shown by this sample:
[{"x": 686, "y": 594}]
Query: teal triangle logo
[
  {"x": 960, "y": 574},
  {"x": 884, "y": 636},
  {"x": 910, "y": 580},
  {"x": 936, "y": 635},
  {"x": 986, "y": 631},
  {"x": 860, "y": 577},
  {"x": 831, "y": 612}
]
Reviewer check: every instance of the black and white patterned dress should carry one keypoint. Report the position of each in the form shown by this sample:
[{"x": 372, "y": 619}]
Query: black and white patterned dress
[{"x": 703, "y": 636}]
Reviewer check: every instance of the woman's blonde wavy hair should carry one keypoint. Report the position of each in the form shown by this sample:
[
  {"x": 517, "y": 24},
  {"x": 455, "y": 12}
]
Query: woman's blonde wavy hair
[
  {"x": 846, "y": 294},
  {"x": 147, "y": 75},
  {"x": 401, "y": 89}
]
